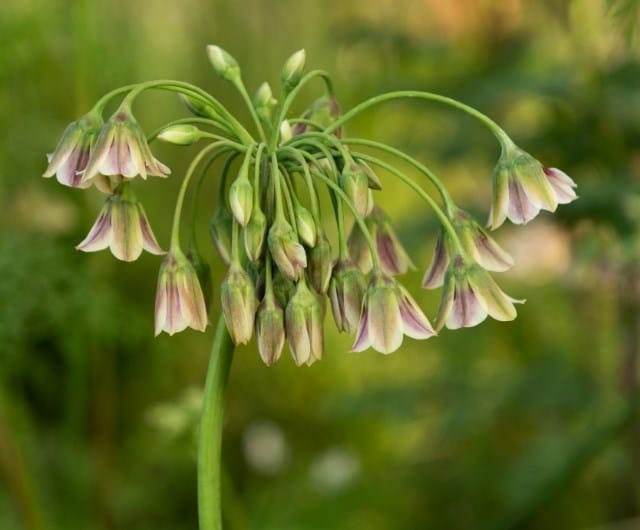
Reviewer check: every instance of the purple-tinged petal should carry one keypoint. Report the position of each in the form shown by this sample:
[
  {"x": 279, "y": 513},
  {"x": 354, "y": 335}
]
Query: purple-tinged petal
[
  {"x": 521, "y": 208},
  {"x": 467, "y": 310},
  {"x": 434, "y": 275},
  {"x": 150, "y": 244},
  {"x": 415, "y": 323},
  {"x": 562, "y": 185},
  {"x": 362, "y": 341},
  {"x": 126, "y": 232},
  {"x": 99, "y": 237}
]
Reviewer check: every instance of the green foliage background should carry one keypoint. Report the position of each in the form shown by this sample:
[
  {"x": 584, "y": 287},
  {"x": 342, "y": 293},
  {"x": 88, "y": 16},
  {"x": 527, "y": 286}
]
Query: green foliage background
[{"x": 530, "y": 424}]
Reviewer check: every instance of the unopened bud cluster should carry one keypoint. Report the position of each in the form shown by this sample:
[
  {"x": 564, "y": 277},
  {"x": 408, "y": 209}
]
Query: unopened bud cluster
[{"x": 284, "y": 270}]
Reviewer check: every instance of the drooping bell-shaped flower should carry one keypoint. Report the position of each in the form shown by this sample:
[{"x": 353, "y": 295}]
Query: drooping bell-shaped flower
[
  {"x": 123, "y": 227},
  {"x": 220, "y": 228},
  {"x": 238, "y": 303},
  {"x": 122, "y": 151},
  {"x": 477, "y": 244},
  {"x": 346, "y": 292},
  {"x": 69, "y": 159},
  {"x": 304, "y": 324},
  {"x": 470, "y": 294},
  {"x": 286, "y": 250},
  {"x": 355, "y": 184},
  {"x": 179, "y": 300},
  {"x": 358, "y": 246},
  {"x": 522, "y": 187},
  {"x": 254, "y": 233},
  {"x": 393, "y": 257},
  {"x": 388, "y": 313}
]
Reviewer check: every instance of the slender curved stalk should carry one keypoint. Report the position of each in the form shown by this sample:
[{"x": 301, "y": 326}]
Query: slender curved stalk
[{"x": 210, "y": 443}]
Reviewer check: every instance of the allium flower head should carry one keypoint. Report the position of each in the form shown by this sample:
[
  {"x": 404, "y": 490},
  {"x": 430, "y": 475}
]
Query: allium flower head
[
  {"x": 469, "y": 295},
  {"x": 522, "y": 187},
  {"x": 179, "y": 299},
  {"x": 122, "y": 226},
  {"x": 238, "y": 304},
  {"x": 304, "y": 323},
  {"x": 72, "y": 153},
  {"x": 122, "y": 150},
  {"x": 287, "y": 252},
  {"x": 388, "y": 313}
]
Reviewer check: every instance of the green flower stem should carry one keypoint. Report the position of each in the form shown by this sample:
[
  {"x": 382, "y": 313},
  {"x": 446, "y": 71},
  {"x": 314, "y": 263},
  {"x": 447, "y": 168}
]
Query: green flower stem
[
  {"x": 446, "y": 198},
  {"x": 275, "y": 176},
  {"x": 288, "y": 198},
  {"x": 446, "y": 222},
  {"x": 180, "y": 87},
  {"x": 196, "y": 193},
  {"x": 416, "y": 94},
  {"x": 210, "y": 442},
  {"x": 175, "y": 229},
  {"x": 313, "y": 198},
  {"x": 367, "y": 235},
  {"x": 256, "y": 172},
  {"x": 245, "y": 96}
]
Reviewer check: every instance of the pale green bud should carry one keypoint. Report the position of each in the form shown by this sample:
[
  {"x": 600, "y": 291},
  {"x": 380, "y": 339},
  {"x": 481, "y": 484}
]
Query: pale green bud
[
  {"x": 241, "y": 199},
  {"x": 254, "y": 234},
  {"x": 198, "y": 108},
  {"x": 286, "y": 251},
  {"x": 181, "y": 134},
  {"x": 306, "y": 225},
  {"x": 320, "y": 264},
  {"x": 304, "y": 323},
  {"x": 355, "y": 183},
  {"x": 220, "y": 229},
  {"x": 264, "y": 102},
  {"x": 270, "y": 331},
  {"x": 346, "y": 293},
  {"x": 238, "y": 304},
  {"x": 223, "y": 64},
  {"x": 285, "y": 131},
  {"x": 292, "y": 70}
]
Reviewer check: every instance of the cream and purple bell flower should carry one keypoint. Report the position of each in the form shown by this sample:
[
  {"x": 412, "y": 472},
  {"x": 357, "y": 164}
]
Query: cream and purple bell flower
[
  {"x": 304, "y": 320},
  {"x": 123, "y": 227},
  {"x": 286, "y": 250},
  {"x": 180, "y": 302},
  {"x": 270, "y": 329},
  {"x": 388, "y": 313},
  {"x": 121, "y": 151},
  {"x": 469, "y": 295},
  {"x": 522, "y": 187},
  {"x": 239, "y": 303}
]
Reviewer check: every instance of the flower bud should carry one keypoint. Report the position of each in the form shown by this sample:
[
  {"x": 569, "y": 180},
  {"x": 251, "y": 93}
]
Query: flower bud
[
  {"x": 285, "y": 131},
  {"x": 220, "y": 229},
  {"x": 304, "y": 323},
  {"x": 241, "y": 199},
  {"x": 320, "y": 264},
  {"x": 322, "y": 112},
  {"x": 180, "y": 134},
  {"x": 292, "y": 70},
  {"x": 254, "y": 234},
  {"x": 264, "y": 102},
  {"x": 346, "y": 292},
  {"x": 286, "y": 251},
  {"x": 359, "y": 250},
  {"x": 270, "y": 333},
  {"x": 223, "y": 64},
  {"x": 198, "y": 108},
  {"x": 238, "y": 304},
  {"x": 306, "y": 225},
  {"x": 355, "y": 183},
  {"x": 282, "y": 287}
]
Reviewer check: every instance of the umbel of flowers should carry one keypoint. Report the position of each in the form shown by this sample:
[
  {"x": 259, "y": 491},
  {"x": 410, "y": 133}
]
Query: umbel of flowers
[{"x": 283, "y": 270}]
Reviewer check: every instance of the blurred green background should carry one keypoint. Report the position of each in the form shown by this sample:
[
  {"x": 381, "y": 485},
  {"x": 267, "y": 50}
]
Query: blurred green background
[{"x": 530, "y": 424}]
